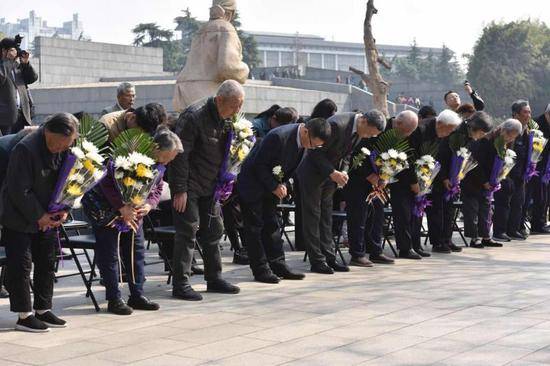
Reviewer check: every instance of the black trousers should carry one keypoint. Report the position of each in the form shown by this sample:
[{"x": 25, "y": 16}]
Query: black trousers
[
  {"x": 440, "y": 216},
  {"x": 107, "y": 259},
  {"x": 316, "y": 197},
  {"x": 406, "y": 225},
  {"x": 362, "y": 219},
  {"x": 233, "y": 221},
  {"x": 201, "y": 219},
  {"x": 538, "y": 194},
  {"x": 476, "y": 207},
  {"x": 262, "y": 235},
  {"x": 298, "y": 226},
  {"x": 22, "y": 250},
  {"x": 509, "y": 201}
]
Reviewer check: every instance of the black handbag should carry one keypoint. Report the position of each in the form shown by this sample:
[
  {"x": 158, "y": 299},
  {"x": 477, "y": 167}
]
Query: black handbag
[{"x": 97, "y": 208}]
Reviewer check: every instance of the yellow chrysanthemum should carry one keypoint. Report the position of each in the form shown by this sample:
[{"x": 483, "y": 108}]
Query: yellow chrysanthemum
[
  {"x": 128, "y": 181},
  {"x": 241, "y": 155},
  {"x": 142, "y": 171},
  {"x": 385, "y": 177},
  {"x": 537, "y": 146},
  {"x": 72, "y": 172},
  {"x": 461, "y": 176},
  {"x": 74, "y": 190},
  {"x": 137, "y": 200},
  {"x": 89, "y": 165},
  {"x": 378, "y": 162},
  {"x": 393, "y": 163},
  {"x": 425, "y": 170}
]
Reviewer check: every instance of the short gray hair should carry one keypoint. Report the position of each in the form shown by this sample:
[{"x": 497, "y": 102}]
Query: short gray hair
[
  {"x": 449, "y": 118},
  {"x": 518, "y": 105},
  {"x": 124, "y": 88},
  {"x": 512, "y": 125},
  {"x": 230, "y": 89},
  {"x": 376, "y": 118},
  {"x": 167, "y": 140}
]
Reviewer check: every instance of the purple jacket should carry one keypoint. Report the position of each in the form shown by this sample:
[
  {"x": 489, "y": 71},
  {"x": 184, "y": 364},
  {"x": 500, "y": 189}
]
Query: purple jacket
[{"x": 113, "y": 196}]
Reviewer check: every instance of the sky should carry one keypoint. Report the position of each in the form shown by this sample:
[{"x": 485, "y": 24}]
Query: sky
[{"x": 458, "y": 24}]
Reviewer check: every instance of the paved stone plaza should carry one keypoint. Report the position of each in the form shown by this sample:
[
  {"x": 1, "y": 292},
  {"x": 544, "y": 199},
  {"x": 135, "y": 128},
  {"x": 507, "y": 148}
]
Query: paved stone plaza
[{"x": 480, "y": 307}]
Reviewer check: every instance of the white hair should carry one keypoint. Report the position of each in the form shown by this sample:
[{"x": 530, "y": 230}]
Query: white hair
[
  {"x": 449, "y": 118},
  {"x": 230, "y": 89},
  {"x": 512, "y": 125},
  {"x": 125, "y": 87}
]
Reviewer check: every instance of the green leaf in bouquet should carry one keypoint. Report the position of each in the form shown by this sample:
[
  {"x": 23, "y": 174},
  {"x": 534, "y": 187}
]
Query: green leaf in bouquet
[
  {"x": 500, "y": 147},
  {"x": 390, "y": 139},
  {"x": 93, "y": 131},
  {"x": 458, "y": 139},
  {"x": 532, "y": 125},
  {"x": 429, "y": 148},
  {"x": 133, "y": 140}
]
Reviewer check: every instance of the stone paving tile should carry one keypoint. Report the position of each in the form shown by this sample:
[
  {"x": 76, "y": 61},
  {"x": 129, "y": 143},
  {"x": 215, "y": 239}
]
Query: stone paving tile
[
  {"x": 168, "y": 360},
  {"x": 225, "y": 348},
  {"x": 486, "y": 355}
]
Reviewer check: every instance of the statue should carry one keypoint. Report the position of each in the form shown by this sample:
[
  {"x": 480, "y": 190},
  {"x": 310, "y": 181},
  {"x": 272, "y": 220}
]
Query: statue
[{"x": 215, "y": 56}]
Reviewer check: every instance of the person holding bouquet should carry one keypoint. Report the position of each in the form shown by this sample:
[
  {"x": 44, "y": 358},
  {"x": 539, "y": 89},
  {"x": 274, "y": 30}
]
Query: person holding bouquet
[
  {"x": 27, "y": 231},
  {"x": 539, "y": 184},
  {"x": 262, "y": 183},
  {"x": 510, "y": 199},
  {"x": 114, "y": 244},
  {"x": 193, "y": 181},
  {"x": 478, "y": 186}
]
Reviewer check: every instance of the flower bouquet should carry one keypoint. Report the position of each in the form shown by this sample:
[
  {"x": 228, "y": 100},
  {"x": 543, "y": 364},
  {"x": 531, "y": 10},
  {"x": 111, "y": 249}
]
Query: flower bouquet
[
  {"x": 537, "y": 142},
  {"x": 503, "y": 163},
  {"x": 240, "y": 140},
  {"x": 83, "y": 166},
  {"x": 462, "y": 162},
  {"x": 278, "y": 173},
  {"x": 426, "y": 169}
]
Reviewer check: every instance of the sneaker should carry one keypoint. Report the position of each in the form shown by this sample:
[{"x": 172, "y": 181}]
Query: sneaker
[
  {"x": 142, "y": 303},
  {"x": 31, "y": 324},
  {"x": 119, "y": 307},
  {"x": 186, "y": 292},
  {"x": 51, "y": 320},
  {"x": 222, "y": 287}
]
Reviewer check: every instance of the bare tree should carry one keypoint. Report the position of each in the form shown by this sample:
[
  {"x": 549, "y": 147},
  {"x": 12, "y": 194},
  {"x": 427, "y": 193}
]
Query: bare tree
[{"x": 374, "y": 81}]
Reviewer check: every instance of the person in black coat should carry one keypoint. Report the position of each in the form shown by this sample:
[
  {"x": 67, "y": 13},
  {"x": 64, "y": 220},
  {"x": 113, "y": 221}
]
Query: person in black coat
[
  {"x": 260, "y": 189},
  {"x": 475, "y": 188},
  {"x": 28, "y": 229},
  {"x": 508, "y": 223},
  {"x": 319, "y": 173},
  {"x": 538, "y": 190},
  {"x": 452, "y": 99},
  {"x": 16, "y": 73}
]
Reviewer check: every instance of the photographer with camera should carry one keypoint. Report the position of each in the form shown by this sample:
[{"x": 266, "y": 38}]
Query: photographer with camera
[{"x": 16, "y": 73}]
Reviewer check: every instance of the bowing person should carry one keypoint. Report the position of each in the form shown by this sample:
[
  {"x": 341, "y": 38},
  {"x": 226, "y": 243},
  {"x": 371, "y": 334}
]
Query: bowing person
[{"x": 261, "y": 184}]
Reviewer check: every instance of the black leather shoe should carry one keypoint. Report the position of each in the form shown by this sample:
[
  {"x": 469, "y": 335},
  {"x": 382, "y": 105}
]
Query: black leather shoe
[
  {"x": 381, "y": 259},
  {"x": 119, "y": 307},
  {"x": 142, "y": 303},
  {"x": 322, "y": 268},
  {"x": 267, "y": 277},
  {"x": 283, "y": 271},
  {"x": 441, "y": 249},
  {"x": 186, "y": 292},
  {"x": 541, "y": 230},
  {"x": 491, "y": 243},
  {"x": 516, "y": 236},
  {"x": 475, "y": 243},
  {"x": 196, "y": 270},
  {"x": 455, "y": 248},
  {"x": 222, "y": 287},
  {"x": 422, "y": 253},
  {"x": 360, "y": 262},
  {"x": 525, "y": 232},
  {"x": 409, "y": 254},
  {"x": 337, "y": 267},
  {"x": 501, "y": 237}
]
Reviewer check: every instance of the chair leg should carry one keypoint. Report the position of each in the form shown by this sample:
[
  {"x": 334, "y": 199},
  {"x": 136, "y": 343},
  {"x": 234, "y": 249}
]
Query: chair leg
[{"x": 84, "y": 279}]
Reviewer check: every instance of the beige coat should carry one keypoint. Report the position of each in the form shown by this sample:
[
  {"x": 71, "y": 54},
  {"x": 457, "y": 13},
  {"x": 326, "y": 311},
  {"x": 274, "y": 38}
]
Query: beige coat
[
  {"x": 115, "y": 123},
  {"x": 215, "y": 56}
]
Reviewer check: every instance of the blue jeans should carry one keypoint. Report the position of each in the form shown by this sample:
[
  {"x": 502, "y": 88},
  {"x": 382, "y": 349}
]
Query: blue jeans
[{"x": 107, "y": 259}]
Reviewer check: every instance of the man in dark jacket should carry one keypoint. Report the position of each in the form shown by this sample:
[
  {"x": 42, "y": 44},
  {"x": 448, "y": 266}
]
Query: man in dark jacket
[
  {"x": 16, "y": 73},
  {"x": 319, "y": 174},
  {"x": 538, "y": 186},
  {"x": 262, "y": 184},
  {"x": 452, "y": 99},
  {"x": 27, "y": 225},
  {"x": 509, "y": 200},
  {"x": 193, "y": 176}
]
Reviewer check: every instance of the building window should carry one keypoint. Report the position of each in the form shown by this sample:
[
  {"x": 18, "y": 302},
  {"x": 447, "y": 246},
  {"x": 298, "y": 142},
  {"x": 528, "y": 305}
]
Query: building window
[
  {"x": 330, "y": 62},
  {"x": 272, "y": 59},
  {"x": 345, "y": 61},
  {"x": 315, "y": 60},
  {"x": 287, "y": 58}
]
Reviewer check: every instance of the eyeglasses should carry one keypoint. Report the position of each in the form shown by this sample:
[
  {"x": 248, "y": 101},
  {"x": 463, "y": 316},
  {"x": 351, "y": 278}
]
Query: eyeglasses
[{"x": 311, "y": 147}]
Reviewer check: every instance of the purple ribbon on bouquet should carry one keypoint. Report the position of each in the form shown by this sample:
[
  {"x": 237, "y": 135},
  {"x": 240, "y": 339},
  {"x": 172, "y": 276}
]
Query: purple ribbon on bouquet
[
  {"x": 498, "y": 164},
  {"x": 456, "y": 164},
  {"x": 372, "y": 159},
  {"x": 64, "y": 171},
  {"x": 420, "y": 205},
  {"x": 546, "y": 177},
  {"x": 224, "y": 186},
  {"x": 531, "y": 168}
]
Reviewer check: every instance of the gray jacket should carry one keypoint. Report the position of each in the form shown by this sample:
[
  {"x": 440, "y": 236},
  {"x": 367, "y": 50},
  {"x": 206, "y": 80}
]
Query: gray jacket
[{"x": 9, "y": 86}]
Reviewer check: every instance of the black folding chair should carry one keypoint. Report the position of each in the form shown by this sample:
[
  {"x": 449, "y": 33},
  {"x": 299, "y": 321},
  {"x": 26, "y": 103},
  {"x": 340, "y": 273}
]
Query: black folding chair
[
  {"x": 281, "y": 210},
  {"x": 388, "y": 229},
  {"x": 457, "y": 206}
]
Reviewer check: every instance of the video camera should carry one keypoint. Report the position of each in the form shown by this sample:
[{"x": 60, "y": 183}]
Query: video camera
[{"x": 18, "y": 39}]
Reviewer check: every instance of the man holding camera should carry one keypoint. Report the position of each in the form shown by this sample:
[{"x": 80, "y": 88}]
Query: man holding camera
[{"x": 16, "y": 73}]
